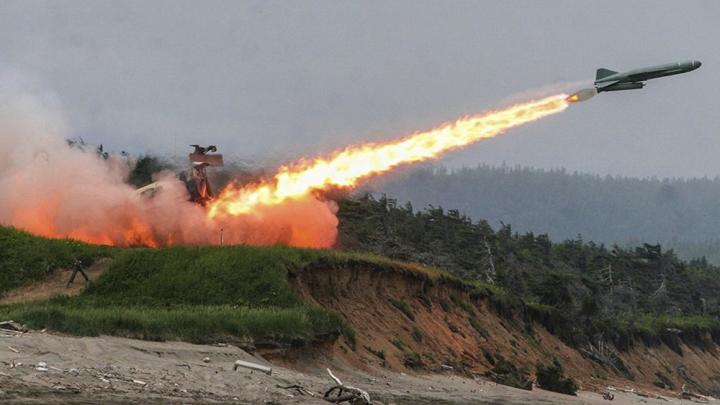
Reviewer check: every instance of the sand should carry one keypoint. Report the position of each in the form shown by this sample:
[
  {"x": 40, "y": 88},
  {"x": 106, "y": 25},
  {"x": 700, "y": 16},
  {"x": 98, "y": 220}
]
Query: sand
[{"x": 117, "y": 370}]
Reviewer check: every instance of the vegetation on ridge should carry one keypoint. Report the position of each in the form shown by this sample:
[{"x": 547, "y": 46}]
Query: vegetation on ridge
[
  {"x": 199, "y": 294},
  {"x": 581, "y": 291},
  {"x": 679, "y": 213}
]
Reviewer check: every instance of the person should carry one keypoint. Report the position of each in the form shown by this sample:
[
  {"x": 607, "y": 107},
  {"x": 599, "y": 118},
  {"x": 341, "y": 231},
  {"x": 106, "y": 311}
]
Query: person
[{"x": 77, "y": 268}]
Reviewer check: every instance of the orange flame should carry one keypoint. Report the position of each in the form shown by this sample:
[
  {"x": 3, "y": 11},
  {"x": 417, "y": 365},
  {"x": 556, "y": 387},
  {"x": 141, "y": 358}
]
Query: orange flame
[{"x": 345, "y": 168}]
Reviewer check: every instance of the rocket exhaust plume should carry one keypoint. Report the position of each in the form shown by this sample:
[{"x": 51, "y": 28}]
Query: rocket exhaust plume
[
  {"x": 582, "y": 95},
  {"x": 53, "y": 190},
  {"x": 346, "y": 168}
]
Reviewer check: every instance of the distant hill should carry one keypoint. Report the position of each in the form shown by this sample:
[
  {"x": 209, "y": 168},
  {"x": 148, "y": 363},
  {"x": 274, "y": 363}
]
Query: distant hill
[{"x": 680, "y": 213}]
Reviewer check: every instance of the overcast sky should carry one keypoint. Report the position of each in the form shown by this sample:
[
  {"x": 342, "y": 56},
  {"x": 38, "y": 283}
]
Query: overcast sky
[{"x": 278, "y": 80}]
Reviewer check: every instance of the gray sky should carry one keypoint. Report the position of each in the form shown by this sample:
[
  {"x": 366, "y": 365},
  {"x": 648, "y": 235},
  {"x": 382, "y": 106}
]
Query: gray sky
[{"x": 279, "y": 80}]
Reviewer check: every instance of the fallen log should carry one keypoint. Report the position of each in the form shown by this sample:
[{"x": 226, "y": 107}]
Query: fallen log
[
  {"x": 12, "y": 326},
  {"x": 299, "y": 388}
]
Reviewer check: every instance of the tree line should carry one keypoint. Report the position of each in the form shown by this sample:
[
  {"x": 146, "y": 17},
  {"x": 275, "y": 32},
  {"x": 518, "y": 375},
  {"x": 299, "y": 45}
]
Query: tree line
[{"x": 681, "y": 213}]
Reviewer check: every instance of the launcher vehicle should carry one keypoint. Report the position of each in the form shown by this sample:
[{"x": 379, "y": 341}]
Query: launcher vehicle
[{"x": 195, "y": 178}]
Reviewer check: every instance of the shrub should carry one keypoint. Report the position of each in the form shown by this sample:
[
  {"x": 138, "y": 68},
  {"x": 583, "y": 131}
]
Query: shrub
[
  {"x": 445, "y": 305},
  {"x": 378, "y": 353},
  {"x": 398, "y": 343},
  {"x": 551, "y": 378},
  {"x": 417, "y": 335},
  {"x": 464, "y": 305},
  {"x": 403, "y": 307},
  {"x": 478, "y": 327},
  {"x": 412, "y": 360},
  {"x": 506, "y": 373}
]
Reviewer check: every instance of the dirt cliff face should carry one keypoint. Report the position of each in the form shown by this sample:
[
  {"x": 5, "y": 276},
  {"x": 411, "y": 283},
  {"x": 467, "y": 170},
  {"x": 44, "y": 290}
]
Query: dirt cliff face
[{"x": 406, "y": 321}]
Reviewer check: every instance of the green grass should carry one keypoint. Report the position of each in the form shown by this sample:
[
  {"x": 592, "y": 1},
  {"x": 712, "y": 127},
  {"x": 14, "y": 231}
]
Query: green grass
[
  {"x": 25, "y": 258},
  {"x": 378, "y": 353},
  {"x": 464, "y": 305},
  {"x": 198, "y": 294},
  {"x": 197, "y": 323},
  {"x": 403, "y": 307},
  {"x": 243, "y": 276},
  {"x": 654, "y": 325},
  {"x": 417, "y": 335},
  {"x": 412, "y": 360},
  {"x": 478, "y": 327},
  {"x": 397, "y": 342}
]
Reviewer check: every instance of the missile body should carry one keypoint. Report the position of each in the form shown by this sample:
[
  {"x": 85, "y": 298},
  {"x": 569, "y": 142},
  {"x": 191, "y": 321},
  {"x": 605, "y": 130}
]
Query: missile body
[{"x": 610, "y": 80}]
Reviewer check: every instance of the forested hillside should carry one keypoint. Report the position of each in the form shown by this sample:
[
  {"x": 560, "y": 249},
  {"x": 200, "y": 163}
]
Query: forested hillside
[
  {"x": 581, "y": 291},
  {"x": 682, "y": 213}
]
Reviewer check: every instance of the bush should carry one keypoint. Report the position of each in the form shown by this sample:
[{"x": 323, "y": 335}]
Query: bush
[
  {"x": 465, "y": 306},
  {"x": 403, "y": 307},
  {"x": 412, "y": 360},
  {"x": 551, "y": 378},
  {"x": 506, "y": 373},
  {"x": 378, "y": 353},
  {"x": 417, "y": 335},
  {"x": 478, "y": 327}
]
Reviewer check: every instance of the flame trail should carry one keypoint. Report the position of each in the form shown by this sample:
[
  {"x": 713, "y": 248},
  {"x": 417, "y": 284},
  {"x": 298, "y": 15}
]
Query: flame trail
[
  {"x": 53, "y": 190},
  {"x": 347, "y": 167}
]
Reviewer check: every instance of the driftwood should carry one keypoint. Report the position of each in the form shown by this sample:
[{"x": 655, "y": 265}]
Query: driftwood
[
  {"x": 345, "y": 393},
  {"x": 686, "y": 394},
  {"x": 12, "y": 326},
  {"x": 639, "y": 393},
  {"x": 252, "y": 366},
  {"x": 297, "y": 387}
]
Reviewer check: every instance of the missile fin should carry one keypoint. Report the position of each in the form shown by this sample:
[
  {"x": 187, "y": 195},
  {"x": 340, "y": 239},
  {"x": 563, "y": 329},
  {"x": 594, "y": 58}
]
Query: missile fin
[{"x": 602, "y": 73}]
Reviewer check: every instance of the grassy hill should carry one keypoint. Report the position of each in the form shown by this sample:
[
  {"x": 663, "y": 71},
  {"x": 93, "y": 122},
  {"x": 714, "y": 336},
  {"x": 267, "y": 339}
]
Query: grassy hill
[
  {"x": 25, "y": 258},
  {"x": 204, "y": 294},
  {"x": 199, "y": 294}
]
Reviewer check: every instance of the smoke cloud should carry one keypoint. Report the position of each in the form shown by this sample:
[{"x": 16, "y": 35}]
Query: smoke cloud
[{"x": 51, "y": 189}]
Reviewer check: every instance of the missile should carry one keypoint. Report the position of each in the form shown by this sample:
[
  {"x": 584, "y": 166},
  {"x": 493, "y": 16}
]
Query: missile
[{"x": 610, "y": 80}]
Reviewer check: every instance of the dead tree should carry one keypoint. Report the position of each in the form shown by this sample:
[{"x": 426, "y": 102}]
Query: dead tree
[{"x": 490, "y": 272}]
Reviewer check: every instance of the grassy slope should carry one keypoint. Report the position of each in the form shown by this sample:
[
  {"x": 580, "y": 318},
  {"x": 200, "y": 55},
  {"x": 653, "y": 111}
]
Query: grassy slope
[
  {"x": 205, "y": 294},
  {"x": 25, "y": 258},
  {"x": 199, "y": 294}
]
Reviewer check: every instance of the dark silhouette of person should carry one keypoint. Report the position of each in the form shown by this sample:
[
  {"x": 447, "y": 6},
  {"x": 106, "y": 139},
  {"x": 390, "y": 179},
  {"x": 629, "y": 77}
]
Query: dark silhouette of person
[{"x": 77, "y": 268}]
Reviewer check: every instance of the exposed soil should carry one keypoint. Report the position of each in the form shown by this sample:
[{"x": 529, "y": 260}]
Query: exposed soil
[
  {"x": 438, "y": 332},
  {"x": 417, "y": 342}
]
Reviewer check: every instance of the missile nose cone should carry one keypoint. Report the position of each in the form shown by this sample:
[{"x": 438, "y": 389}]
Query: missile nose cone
[{"x": 696, "y": 64}]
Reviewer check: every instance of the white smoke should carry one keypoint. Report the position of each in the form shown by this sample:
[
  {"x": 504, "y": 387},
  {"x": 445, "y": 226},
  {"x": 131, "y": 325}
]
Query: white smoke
[{"x": 51, "y": 189}]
